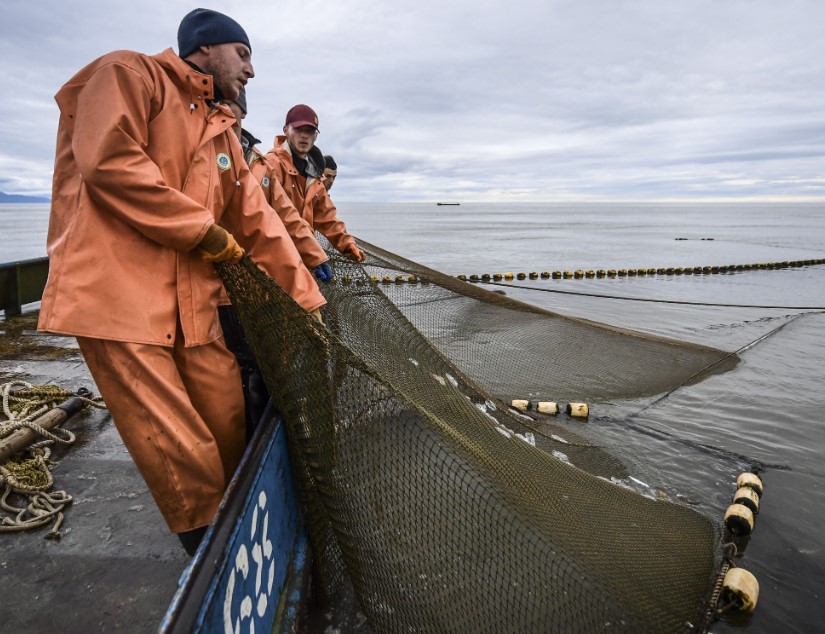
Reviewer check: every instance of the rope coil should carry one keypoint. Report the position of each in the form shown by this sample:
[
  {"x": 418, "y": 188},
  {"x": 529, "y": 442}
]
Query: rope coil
[{"x": 28, "y": 474}]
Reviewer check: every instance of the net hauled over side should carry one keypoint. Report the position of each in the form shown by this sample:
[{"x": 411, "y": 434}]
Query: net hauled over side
[{"x": 443, "y": 507}]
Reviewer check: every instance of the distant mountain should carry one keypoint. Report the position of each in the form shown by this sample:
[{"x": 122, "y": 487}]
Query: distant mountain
[{"x": 17, "y": 198}]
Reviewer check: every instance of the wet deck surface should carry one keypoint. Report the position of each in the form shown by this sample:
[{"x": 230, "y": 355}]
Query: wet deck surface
[{"x": 116, "y": 565}]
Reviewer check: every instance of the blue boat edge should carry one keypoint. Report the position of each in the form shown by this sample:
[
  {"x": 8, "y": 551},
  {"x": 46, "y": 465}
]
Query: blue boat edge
[{"x": 253, "y": 566}]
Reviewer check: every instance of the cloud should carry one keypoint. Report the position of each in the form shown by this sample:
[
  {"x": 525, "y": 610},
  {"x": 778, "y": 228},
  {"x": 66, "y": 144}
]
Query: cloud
[{"x": 484, "y": 100}]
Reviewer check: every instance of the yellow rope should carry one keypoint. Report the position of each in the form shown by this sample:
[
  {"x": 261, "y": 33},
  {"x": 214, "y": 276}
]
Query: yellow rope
[{"x": 30, "y": 478}]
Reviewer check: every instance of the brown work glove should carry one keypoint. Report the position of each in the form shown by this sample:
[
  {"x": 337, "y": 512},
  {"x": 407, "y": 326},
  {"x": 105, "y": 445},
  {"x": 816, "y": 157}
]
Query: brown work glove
[
  {"x": 354, "y": 253},
  {"x": 218, "y": 245}
]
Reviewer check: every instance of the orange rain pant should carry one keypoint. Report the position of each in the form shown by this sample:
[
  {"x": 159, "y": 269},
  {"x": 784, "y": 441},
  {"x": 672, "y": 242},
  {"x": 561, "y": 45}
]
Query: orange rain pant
[{"x": 180, "y": 413}]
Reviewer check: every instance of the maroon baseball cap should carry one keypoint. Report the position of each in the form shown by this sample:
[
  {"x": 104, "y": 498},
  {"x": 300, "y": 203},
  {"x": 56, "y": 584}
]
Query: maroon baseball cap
[{"x": 301, "y": 115}]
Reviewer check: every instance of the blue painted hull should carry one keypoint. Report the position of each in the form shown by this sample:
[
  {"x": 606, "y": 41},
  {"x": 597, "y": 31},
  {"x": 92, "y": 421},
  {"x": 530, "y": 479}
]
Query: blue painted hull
[{"x": 251, "y": 571}]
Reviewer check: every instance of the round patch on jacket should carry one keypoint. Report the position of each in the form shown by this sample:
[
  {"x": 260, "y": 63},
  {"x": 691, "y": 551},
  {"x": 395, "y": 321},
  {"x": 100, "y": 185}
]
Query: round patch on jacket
[
  {"x": 265, "y": 182},
  {"x": 223, "y": 161}
]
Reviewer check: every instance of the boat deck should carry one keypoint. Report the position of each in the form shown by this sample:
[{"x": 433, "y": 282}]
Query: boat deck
[{"x": 115, "y": 566}]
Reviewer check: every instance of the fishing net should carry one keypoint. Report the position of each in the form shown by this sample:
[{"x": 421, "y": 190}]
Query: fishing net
[
  {"x": 447, "y": 510},
  {"x": 517, "y": 350}
]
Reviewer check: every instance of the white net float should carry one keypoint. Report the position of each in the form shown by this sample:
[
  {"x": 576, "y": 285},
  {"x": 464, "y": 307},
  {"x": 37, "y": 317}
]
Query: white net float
[
  {"x": 578, "y": 410},
  {"x": 739, "y": 519},
  {"x": 741, "y": 589},
  {"x": 750, "y": 480},
  {"x": 747, "y": 497},
  {"x": 520, "y": 404},
  {"x": 547, "y": 407}
]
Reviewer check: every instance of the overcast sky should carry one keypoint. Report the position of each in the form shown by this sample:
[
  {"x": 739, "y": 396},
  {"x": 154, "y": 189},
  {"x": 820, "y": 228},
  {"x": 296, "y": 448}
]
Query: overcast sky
[{"x": 481, "y": 100}]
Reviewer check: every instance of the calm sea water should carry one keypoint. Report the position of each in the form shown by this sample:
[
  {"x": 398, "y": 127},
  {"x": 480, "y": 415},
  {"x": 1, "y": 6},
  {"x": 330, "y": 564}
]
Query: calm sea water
[{"x": 770, "y": 409}]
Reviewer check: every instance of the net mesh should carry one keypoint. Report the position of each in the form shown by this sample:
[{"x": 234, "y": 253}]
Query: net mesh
[
  {"x": 516, "y": 350},
  {"x": 447, "y": 510}
]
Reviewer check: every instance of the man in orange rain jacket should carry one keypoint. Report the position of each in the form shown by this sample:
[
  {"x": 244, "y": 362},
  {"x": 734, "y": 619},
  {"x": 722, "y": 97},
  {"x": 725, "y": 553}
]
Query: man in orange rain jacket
[
  {"x": 261, "y": 167},
  {"x": 256, "y": 394},
  {"x": 298, "y": 166},
  {"x": 151, "y": 187}
]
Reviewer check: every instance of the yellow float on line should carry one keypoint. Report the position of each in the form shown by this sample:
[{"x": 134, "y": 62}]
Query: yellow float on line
[
  {"x": 747, "y": 497},
  {"x": 739, "y": 519},
  {"x": 750, "y": 480},
  {"x": 542, "y": 407},
  {"x": 547, "y": 407},
  {"x": 741, "y": 589},
  {"x": 578, "y": 410},
  {"x": 520, "y": 404}
]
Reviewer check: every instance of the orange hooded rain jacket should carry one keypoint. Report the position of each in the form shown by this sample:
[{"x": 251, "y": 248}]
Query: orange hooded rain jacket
[
  {"x": 309, "y": 196},
  {"x": 144, "y": 165},
  {"x": 301, "y": 232}
]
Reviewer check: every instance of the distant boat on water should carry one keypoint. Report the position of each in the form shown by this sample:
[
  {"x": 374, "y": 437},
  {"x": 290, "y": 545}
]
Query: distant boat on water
[{"x": 442, "y": 204}]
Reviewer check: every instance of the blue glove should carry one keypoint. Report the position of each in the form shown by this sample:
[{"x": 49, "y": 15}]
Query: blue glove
[{"x": 323, "y": 272}]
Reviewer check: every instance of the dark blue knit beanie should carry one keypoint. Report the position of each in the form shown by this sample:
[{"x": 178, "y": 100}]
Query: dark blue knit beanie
[{"x": 203, "y": 27}]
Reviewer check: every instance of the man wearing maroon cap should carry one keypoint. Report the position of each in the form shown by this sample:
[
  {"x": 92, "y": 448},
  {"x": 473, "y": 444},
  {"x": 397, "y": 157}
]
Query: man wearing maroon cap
[{"x": 299, "y": 166}]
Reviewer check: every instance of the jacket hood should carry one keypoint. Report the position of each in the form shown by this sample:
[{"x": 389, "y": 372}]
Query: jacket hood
[
  {"x": 191, "y": 80},
  {"x": 187, "y": 79},
  {"x": 249, "y": 138},
  {"x": 315, "y": 158}
]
